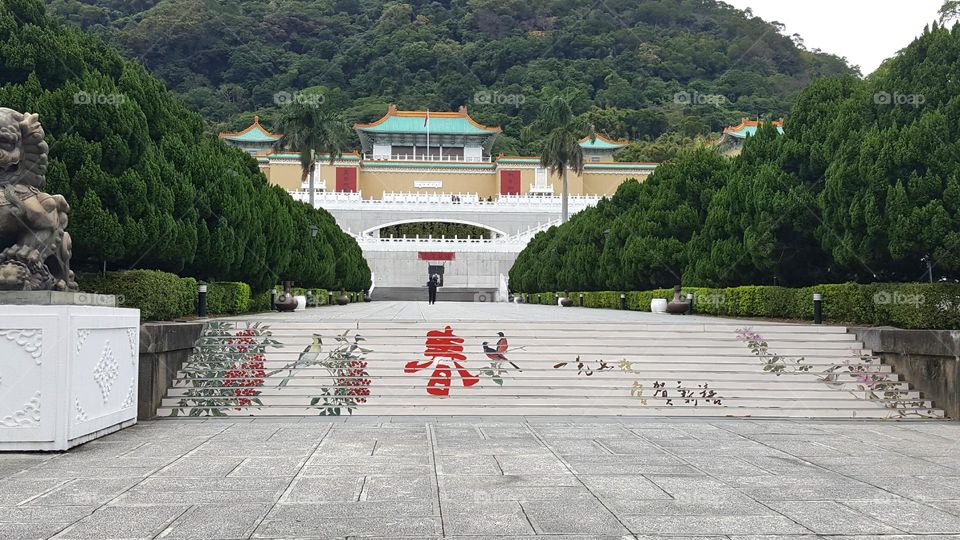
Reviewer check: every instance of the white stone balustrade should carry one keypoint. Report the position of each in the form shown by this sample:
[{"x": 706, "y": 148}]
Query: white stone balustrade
[
  {"x": 507, "y": 244},
  {"x": 420, "y": 157},
  {"x": 466, "y": 202},
  {"x": 486, "y": 245}
]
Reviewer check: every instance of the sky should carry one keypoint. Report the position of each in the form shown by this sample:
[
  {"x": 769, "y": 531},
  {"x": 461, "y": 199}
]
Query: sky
[{"x": 866, "y": 32}]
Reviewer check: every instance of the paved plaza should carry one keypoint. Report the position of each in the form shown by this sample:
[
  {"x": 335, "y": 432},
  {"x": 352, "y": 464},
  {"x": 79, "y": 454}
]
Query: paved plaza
[{"x": 492, "y": 478}]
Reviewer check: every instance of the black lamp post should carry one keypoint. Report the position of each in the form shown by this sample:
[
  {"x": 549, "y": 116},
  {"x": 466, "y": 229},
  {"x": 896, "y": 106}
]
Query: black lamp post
[{"x": 202, "y": 300}]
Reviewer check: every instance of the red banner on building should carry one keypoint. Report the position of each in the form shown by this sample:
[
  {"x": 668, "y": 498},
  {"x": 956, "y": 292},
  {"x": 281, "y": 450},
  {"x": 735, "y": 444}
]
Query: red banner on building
[{"x": 436, "y": 255}]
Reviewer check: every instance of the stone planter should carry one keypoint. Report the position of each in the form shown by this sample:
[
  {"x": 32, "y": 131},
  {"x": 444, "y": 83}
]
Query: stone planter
[
  {"x": 69, "y": 374},
  {"x": 566, "y": 302},
  {"x": 343, "y": 300}
]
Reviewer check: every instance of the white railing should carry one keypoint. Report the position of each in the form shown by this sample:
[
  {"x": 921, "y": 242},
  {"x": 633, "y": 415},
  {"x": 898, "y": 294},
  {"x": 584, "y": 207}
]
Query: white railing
[
  {"x": 445, "y": 202},
  {"x": 503, "y": 244},
  {"x": 420, "y": 157},
  {"x": 459, "y": 245},
  {"x": 517, "y": 239},
  {"x": 411, "y": 197},
  {"x": 528, "y": 234},
  {"x": 325, "y": 198}
]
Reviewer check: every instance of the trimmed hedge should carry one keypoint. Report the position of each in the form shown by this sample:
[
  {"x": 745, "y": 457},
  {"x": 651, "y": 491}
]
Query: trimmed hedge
[
  {"x": 228, "y": 298},
  {"x": 165, "y": 296},
  {"x": 934, "y": 306},
  {"x": 158, "y": 295}
]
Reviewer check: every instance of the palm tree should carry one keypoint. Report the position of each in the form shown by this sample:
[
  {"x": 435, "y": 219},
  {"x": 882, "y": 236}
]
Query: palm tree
[
  {"x": 561, "y": 144},
  {"x": 311, "y": 130}
]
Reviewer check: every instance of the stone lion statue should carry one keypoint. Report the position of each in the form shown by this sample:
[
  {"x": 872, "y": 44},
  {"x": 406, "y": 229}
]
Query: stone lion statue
[{"x": 36, "y": 247}]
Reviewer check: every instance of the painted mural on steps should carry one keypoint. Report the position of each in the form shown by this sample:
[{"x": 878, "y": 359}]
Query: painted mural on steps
[
  {"x": 870, "y": 383},
  {"x": 227, "y": 372},
  {"x": 234, "y": 370}
]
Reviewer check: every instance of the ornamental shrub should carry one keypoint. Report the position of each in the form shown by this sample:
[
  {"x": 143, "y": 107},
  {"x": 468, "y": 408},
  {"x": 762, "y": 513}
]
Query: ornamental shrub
[
  {"x": 904, "y": 305},
  {"x": 158, "y": 295},
  {"x": 228, "y": 298}
]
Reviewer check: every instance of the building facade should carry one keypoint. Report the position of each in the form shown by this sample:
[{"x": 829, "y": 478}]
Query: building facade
[
  {"x": 436, "y": 152},
  {"x": 731, "y": 142},
  {"x": 420, "y": 166}
]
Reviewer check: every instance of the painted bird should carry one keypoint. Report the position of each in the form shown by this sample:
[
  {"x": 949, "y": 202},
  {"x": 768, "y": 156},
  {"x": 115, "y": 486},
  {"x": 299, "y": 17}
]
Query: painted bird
[
  {"x": 498, "y": 354},
  {"x": 502, "y": 343}
]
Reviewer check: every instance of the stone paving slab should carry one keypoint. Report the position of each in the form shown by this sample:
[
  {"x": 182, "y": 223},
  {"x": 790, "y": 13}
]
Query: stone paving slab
[{"x": 494, "y": 478}]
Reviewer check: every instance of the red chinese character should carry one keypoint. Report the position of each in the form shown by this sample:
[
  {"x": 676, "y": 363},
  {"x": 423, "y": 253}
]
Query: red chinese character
[{"x": 443, "y": 345}]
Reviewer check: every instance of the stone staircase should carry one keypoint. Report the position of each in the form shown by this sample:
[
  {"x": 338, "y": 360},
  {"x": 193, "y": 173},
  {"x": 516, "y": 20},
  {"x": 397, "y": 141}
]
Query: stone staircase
[{"x": 424, "y": 368}]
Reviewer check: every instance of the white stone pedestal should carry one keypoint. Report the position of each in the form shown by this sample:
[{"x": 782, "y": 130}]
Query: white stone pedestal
[{"x": 68, "y": 374}]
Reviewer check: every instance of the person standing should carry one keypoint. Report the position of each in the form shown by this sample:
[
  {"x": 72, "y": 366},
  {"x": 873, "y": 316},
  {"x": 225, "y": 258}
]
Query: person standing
[{"x": 432, "y": 290}]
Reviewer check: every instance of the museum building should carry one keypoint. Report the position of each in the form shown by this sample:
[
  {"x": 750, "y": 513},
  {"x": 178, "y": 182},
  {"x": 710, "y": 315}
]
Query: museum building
[{"x": 436, "y": 152}]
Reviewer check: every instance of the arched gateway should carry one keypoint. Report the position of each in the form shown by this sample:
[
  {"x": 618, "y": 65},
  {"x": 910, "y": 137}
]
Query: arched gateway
[{"x": 420, "y": 166}]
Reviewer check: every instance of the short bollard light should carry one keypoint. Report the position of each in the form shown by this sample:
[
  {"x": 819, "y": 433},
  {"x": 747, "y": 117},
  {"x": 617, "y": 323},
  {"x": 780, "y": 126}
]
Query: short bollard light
[
  {"x": 330, "y": 298},
  {"x": 817, "y": 308},
  {"x": 690, "y": 303},
  {"x": 202, "y": 300},
  {"x": 623, "y": 301},
  {"x": 273, "y": 299},
  {"x": 581, "y": 299}
]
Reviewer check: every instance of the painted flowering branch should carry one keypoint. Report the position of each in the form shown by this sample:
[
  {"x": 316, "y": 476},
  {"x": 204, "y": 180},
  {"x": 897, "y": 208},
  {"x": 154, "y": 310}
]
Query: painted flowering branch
[
  {"x": 772, "y": 363},
  {"x": 346, "y": 363},
  {"x": 226, "y": 369}
]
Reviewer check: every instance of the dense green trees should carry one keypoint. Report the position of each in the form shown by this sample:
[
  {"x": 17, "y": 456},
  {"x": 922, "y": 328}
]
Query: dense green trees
[
  {"x": 636, "y": 69},
  {"x": 150, "y": 188},
  {"x": 864, "y": 185}
]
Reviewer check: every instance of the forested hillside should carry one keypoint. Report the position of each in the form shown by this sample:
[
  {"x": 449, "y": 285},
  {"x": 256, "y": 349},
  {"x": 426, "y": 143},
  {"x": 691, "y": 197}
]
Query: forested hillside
[
  {"x": 864, "y": 185},
  {"x": 149, "y": 186},
  {"x": 625, "y": 60}
]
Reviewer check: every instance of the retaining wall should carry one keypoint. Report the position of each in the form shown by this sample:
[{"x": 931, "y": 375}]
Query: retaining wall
[{"x": 929, "y": 359}]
